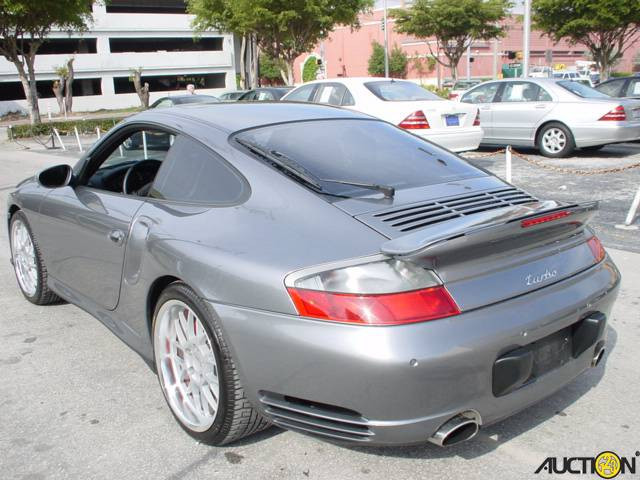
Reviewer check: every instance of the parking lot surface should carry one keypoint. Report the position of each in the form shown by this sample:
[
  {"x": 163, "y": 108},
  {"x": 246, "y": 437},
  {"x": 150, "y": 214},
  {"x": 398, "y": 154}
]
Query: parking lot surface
[{"x": 75, "y": 402}]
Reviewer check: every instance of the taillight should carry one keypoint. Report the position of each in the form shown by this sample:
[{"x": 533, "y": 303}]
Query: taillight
[
  {"x": 530, "y": 222},
  {"x": 596, "y": 248},
  {"x": 476, "y": 122},
  {"x": 417, "y": 120},
  {"x": 453, "y": 96},
  {"x": 387, "y": 292},
  {"x": 616, "y": 115}
]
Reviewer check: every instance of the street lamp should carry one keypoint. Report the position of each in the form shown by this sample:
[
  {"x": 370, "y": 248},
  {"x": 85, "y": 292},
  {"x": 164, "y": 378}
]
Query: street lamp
[
  {"x": 525, "y": 40},
  {"x": 386, "y": 42}
]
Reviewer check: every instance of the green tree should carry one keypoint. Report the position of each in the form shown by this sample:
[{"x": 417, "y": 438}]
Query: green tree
[
  {"x": 270, "y": 69},
  {"x": 283, "y": 29},
  {"x": 453, "y": 25},
  {"x": 398, "y": 61},
  {"x": 24, "y": 25},
  {"x": 310, "y": 69},
  {"x": 608, "y": 28}
]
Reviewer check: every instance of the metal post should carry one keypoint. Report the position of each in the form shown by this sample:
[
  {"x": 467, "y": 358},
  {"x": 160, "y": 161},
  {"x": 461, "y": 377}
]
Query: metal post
[
  {"x": 525, "y": 40},
  {"x": 507, "y": 157},
  {"x": 98, "y": 132},
  {"x": 634, "y": 208},
  {"x": 75, "y": 129},
  {"x": 144, "y": 144},
  {"x": 469, "y": 61},
  {"x": 57, "y": 134},
  {"x": 386, "y": 42},
  {"x": 495, "y": 58}
]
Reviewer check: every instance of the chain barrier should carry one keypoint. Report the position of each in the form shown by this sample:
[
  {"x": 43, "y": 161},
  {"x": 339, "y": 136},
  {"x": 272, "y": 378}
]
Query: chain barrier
[{"x": 541, "y": 164}]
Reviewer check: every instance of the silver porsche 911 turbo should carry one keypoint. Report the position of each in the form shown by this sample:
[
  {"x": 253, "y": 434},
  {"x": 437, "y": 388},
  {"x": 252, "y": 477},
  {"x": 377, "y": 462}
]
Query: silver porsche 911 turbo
[{"x": 317, "y": 269}]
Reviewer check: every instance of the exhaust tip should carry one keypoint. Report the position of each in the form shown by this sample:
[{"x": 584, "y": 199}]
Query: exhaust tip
[
  {"x": 459, "y": 428},
  {"x": 597, "y": 356}
]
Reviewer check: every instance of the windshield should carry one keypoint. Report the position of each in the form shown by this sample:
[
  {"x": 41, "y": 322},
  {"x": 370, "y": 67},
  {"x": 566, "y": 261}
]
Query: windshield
[
  {"x": 581, "y": 90},
  {"x": 359, "y": 150},
  {"x": 399, "y": 91}
]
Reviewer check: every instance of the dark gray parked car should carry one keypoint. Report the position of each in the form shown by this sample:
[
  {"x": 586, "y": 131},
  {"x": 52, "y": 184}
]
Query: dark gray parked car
[{"x": 317, "y": 269}]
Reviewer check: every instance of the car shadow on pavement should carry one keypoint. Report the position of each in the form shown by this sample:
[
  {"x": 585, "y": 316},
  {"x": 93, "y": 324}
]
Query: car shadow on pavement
[{"x": 491, "y": 437}]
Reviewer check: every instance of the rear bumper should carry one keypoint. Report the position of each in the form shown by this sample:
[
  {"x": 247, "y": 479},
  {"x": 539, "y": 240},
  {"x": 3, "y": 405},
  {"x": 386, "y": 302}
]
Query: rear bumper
[
  {"x": 602, "y": 133},
  {"x": 456, "y": 139},
  {"x": 401, "y": 383}
]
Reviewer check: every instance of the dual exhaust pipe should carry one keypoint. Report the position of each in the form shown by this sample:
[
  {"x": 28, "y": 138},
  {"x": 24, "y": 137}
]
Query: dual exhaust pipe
[
  {"x": 466, "y": 425},
  {"x": 459, "y": 428}
]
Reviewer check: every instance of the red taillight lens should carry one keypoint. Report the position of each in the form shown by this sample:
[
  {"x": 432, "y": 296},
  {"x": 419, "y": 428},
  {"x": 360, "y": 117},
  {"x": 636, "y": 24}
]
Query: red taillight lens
[
  {"x": 530, "y": 222},
  {"x": 380, "y": 309},
  {"x": 616, "y": 115},
  {"x": 453, "y": 96},
  {"x": 596, "y": 248},
  {"x": 476, "y": 122},
  {"x": 417, "y": 120}
]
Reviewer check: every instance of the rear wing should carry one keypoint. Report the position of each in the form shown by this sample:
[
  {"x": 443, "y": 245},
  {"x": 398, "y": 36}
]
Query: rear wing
[{"x": 491, "y": 226}]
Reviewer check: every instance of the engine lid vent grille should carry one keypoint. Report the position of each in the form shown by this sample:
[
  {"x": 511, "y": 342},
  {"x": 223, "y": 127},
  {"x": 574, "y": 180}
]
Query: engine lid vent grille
[{"x": 412, "y": 217}]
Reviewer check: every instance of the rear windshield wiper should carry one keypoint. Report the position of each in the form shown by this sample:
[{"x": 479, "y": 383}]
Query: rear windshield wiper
[{"x": 282, "y": 160}]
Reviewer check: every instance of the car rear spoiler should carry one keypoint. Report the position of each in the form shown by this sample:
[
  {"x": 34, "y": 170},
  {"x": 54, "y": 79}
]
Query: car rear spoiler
[{"x": 486, "y": 227}]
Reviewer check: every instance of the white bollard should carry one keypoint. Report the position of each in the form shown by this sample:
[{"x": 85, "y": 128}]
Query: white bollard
[
  {"x": 98, "y": 132},
  {"x": 78, "y": 139},
  {"x": 57, "y": 134},
  {"x": 507, "y": 157},
  {"x": 634, "y": 208},
  {"x": 144, "y": 144}
]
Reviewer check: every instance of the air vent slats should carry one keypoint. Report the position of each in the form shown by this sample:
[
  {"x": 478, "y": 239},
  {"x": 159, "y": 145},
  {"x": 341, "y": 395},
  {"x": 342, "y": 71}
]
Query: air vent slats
[{"x": 419, "y": 215}]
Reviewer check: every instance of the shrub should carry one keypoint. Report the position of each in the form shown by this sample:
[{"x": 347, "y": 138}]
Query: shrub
[
  {"x": 64, "y": 127},
  {"x": 310, "y": 69},
  {"x": 441, "y": 92}
]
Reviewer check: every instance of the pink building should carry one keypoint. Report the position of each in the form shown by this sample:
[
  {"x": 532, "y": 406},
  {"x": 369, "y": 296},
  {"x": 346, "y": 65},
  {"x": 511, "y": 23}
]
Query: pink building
[{"x": 346, "y": 52}]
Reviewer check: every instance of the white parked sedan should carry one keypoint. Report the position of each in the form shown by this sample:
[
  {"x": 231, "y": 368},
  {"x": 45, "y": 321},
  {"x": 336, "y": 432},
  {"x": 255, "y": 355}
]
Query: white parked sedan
[{"x": 453, "y": 125}]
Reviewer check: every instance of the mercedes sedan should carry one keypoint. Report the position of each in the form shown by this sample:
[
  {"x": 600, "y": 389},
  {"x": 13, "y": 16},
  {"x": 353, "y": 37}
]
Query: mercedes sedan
[
  {"x": 556, "y": 116},
  {"x": 317, "y": 269}
]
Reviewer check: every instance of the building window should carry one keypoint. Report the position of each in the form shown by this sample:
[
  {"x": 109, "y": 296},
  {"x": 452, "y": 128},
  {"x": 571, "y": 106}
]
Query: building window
[
  {"x": 146, "y": 6},
  {"x": 62, "y": 46},
  {"x": 81, "y": 87},
  {"x": 119, "y": 45},
  {"x": 161, "y": 83}
]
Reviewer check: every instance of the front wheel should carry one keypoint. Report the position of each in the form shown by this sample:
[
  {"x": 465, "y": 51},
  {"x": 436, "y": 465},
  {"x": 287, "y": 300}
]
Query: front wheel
[
  {"x": 555, "y": 140},
  {"x": 196, "y": 372}
]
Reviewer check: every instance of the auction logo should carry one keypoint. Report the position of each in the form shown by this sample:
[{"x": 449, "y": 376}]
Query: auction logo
[{"x": 606, "y": 465}]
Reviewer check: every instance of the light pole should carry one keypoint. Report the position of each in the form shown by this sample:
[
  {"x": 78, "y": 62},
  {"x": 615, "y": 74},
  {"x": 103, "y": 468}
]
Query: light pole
[
  {"x": 469, "y": 61},
  {"x": 525, "y": 40},
  {"x": 386, "y": 42}
]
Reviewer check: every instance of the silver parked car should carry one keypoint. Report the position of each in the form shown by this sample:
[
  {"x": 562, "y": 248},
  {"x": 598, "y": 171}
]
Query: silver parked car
[
  {"x": 318, "y": 269},
  {"x": 554, "y": 116}
]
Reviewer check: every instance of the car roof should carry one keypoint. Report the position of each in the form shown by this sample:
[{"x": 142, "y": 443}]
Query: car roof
[{"x": 231, "y": 117}]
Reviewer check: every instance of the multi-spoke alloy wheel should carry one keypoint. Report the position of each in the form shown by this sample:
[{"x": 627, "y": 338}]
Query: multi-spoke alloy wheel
[
  {"x": 187, "y": 365},
  {"x": 555, "y": 140},
  {"x": 196, "y": 370},
  {"x": 24, "y": 258}
]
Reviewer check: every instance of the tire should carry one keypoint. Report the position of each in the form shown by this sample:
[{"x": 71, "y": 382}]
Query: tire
[
  {"x": 26, "y": 258},
  {"x": 592, "y": 148},
  {"x": 188, "y": 380},
  {"x": 555, "y": 140}
]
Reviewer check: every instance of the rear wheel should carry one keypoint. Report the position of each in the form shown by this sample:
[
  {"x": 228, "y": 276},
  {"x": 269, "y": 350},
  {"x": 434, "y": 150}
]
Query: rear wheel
[
  {"x": 196, "y": 372},
  {"x": 555, "y": 140},
  {"x": 26, "y": 258}
]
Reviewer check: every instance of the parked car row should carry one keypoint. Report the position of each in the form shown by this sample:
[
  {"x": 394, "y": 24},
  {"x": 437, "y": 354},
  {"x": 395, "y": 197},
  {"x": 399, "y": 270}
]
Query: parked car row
[{"x": 554, "y": 115}]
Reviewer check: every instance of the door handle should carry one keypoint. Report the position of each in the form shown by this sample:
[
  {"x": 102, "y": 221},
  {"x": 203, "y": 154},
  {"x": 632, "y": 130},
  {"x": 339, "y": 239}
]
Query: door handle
[
  {"x": 116, "y": 236},
  {"x": 485, "y": 108},
  {"x": 541, "y": 106}
]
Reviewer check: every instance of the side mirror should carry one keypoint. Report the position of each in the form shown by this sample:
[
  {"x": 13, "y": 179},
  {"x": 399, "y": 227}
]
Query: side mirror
[{"x": 56, "y": 177}]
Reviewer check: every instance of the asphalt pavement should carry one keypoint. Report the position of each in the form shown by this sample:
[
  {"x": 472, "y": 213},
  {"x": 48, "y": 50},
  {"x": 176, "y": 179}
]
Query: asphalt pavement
[{"x": 76, "y": 403}]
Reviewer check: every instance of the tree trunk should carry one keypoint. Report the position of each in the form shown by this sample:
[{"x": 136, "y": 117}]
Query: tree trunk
[
  {"x": 289, "y": 78},
  {"x": 57, "y": 91},
  {"x": 68, "y": 92},
  {"x": 29, "y": 86},
  {"x": 253, "y": 61},
  {"x": 243, "y": 62},
  {"x": 141, "y": 90}
]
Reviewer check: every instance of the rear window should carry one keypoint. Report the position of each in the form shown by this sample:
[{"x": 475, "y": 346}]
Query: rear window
[
  {"x": 398, "y": 91},
  {"x": 360, "y": 150},
  {"x": 581, "y": 90}
]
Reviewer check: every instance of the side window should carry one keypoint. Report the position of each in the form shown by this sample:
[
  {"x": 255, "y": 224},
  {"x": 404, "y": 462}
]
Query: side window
[
  {"x": 543, "y": 96},
  {"x": 142, "y": 152},
  {"x": 611, "y": 88},
  {"x": 482, "y": 94},
  {"x": 193, "y": 173},
  {"x": 163, "y": 103},
  {"x": 520, "y": 92},
  {"x": 264, "y": 96},
  {"x": 302, "y": 94},
  {"x": 347, "y": 99},
  {"x": 633, "y": 89},
  {"x": 330, "y": 93}
]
